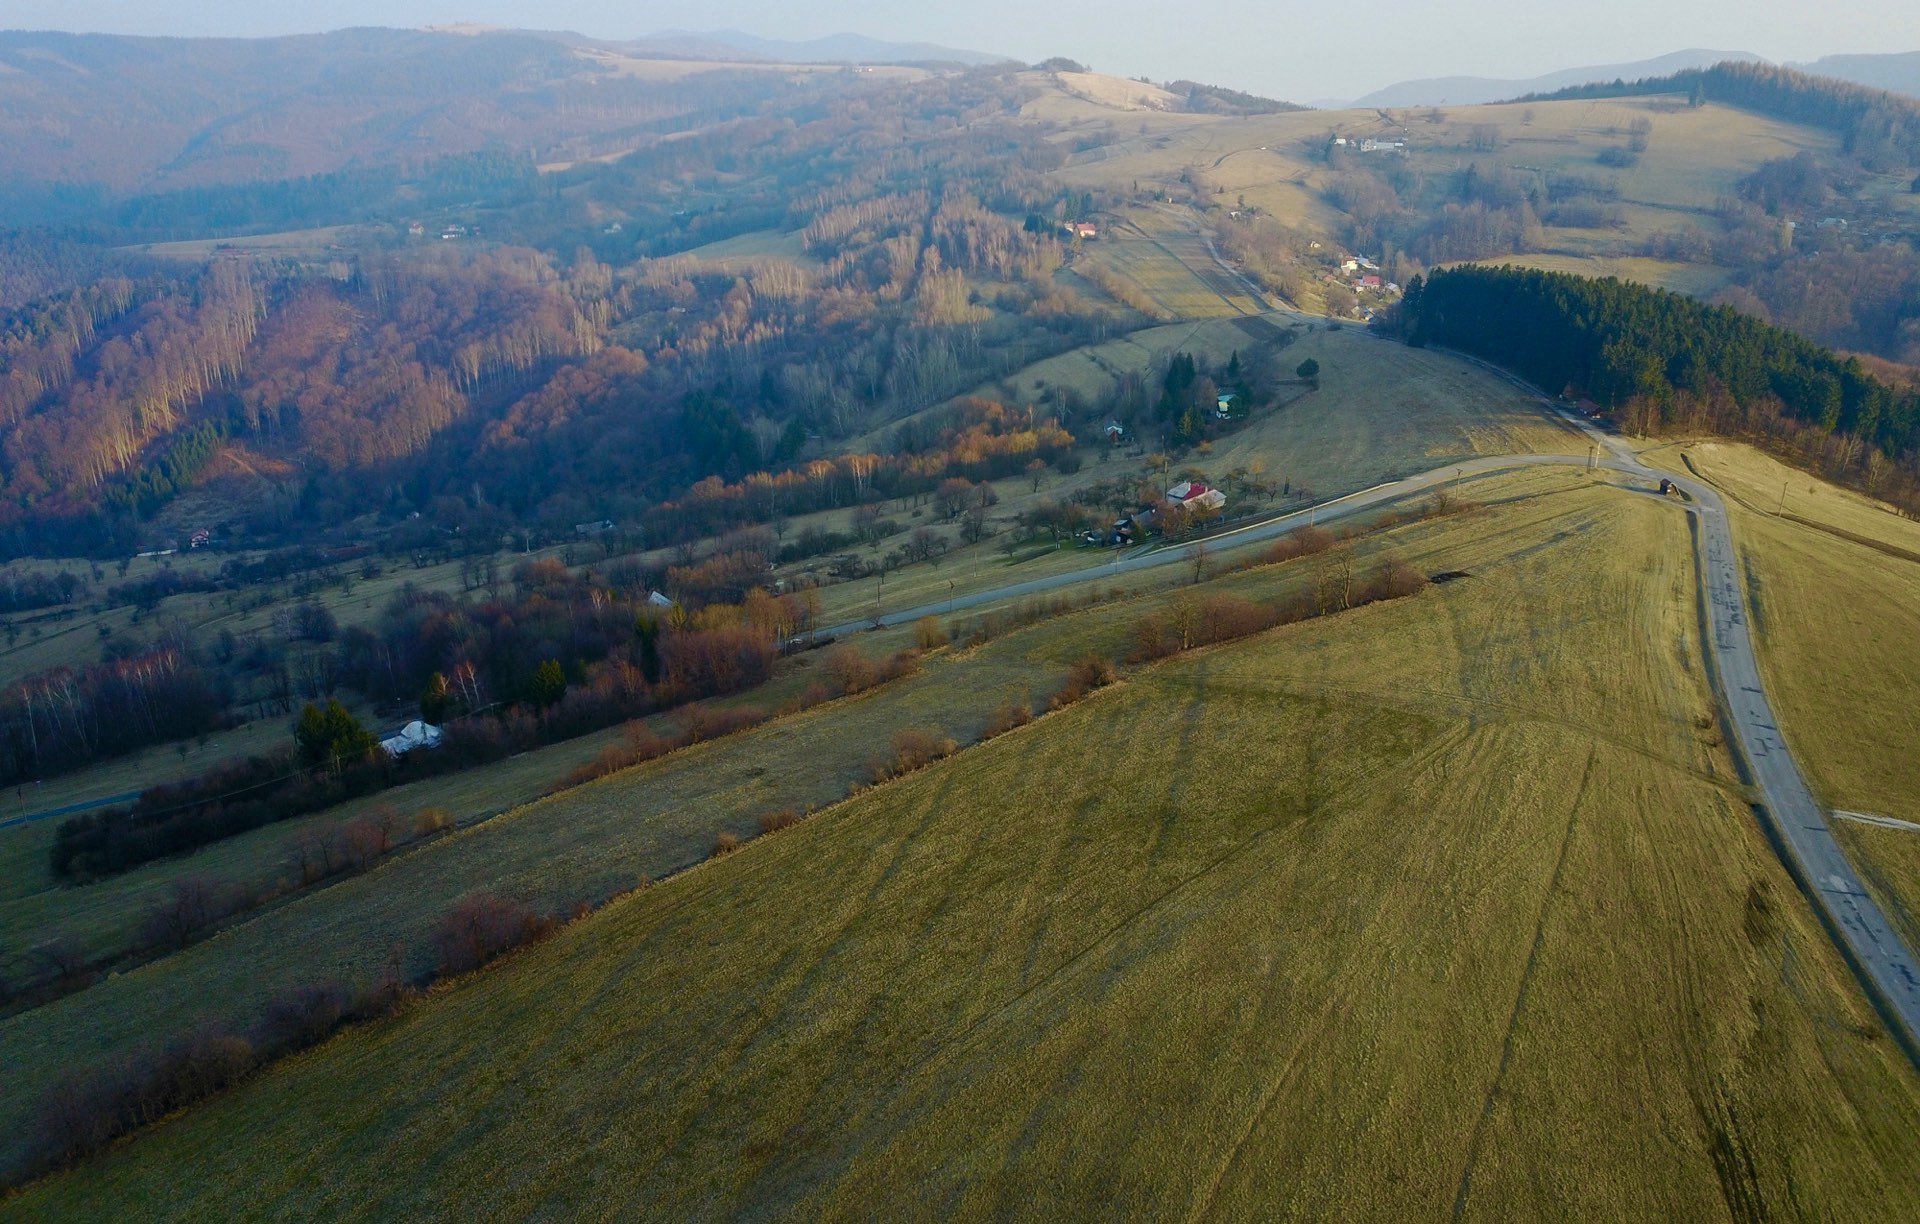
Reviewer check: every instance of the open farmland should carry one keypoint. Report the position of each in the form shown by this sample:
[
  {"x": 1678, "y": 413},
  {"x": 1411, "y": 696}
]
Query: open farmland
[
  {"x": 1274, "y": 165},
  {"x": 1381, "y": 412},
  {"x": 1166, "y": 262},
  {"x": 1835, "y": 587},
  {"x": 1393, "y": 902}
]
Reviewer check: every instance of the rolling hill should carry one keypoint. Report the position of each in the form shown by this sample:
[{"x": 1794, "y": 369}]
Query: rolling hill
[
  {"x": 1470, "y": 90},
  {"x": 154, "y": 114},
  {"x": 830, "y": 49}
]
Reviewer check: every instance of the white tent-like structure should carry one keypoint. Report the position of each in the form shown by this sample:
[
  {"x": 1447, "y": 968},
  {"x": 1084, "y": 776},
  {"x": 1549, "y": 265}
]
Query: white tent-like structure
[{"x": 415, "y": 734}]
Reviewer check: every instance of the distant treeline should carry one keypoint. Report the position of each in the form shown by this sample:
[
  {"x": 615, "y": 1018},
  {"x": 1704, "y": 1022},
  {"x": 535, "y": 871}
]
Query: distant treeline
[
  {"x": 359, "y": 193},
  {"x": 1881, "y": 129},
  {"x": 1662, "y": 361}
]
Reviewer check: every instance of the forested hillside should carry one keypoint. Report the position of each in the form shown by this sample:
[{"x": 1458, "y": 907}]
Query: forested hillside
[
  {"x": 585, "y": 374},
  {"x": 85, "y": 115},
  {"x": 1661, "y": 361}
]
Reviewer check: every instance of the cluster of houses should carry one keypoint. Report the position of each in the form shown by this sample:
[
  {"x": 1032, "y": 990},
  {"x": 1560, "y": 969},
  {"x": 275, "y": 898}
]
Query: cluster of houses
[
  {"x": 1189, "y": 495},
  {"x": 1363, "y": 276},
  {"x": 448, "y": 233}
]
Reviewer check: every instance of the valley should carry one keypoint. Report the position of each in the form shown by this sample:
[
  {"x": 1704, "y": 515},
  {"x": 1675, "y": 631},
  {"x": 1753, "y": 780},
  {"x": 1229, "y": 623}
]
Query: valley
[{"x": 987, "y": 640}]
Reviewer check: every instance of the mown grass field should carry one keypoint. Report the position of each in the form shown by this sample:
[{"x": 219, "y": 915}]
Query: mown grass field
[
  {"x": 1169, "y": 264},
  {"x": 1443, "y": 907},
  {"x": 1835, "y": 590}
]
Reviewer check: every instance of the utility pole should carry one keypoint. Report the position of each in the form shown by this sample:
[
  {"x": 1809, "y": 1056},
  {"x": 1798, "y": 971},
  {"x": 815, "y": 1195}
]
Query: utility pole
[{"x": 1783, "y": 500}]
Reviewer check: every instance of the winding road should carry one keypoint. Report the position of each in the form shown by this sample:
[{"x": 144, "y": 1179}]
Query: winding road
[{"x": 1793, "y": 820}]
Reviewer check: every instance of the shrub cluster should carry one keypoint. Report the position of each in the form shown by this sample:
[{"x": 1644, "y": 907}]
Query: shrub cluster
[
  {"x": 1010, "y": 715},
  {"x": 849, "y": 671},
  {"x": 1090, "y": 673},
  {"x": 1190, "y": 622},
  {"x": 911, "y": 748}
]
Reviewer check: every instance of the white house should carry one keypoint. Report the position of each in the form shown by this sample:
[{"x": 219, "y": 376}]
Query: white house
[{"x": 1224, "y": 406}]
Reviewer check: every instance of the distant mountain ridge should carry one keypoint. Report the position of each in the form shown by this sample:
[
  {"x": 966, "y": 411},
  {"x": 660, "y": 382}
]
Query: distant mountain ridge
[
  {"x": 138, "y": 114},
  {"x": 840, "y": 48},
  {"x": 1898, "y": 72},
  {"x": 1473, "y": 91}
]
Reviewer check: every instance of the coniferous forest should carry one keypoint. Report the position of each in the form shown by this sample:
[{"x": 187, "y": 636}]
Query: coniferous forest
[{"x": 1659, "y": 361}]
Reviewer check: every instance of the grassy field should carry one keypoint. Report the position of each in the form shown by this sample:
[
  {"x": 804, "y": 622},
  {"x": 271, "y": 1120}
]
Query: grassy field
[
  {"x": 1273, "y": 164},
  {"x": 746, "y": 252},
  {"x": 284, "y": 244},
  {"x": 1168, "y": 262},
  {"x": 1442, "y": 906},
  {"x": 1835, "y": 588},
  {"x": 1696, "y": 280},
  {"x": 1382, "y": 412}
]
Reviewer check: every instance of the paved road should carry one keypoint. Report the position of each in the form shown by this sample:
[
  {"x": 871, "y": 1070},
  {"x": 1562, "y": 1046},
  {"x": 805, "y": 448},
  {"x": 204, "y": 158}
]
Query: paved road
[
  {"x": 69, "y": 810},
  {"x": 1795, "y": 822}
]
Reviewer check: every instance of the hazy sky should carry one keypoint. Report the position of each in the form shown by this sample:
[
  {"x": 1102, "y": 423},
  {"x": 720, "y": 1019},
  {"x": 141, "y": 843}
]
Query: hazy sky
[{"x": 1285, "y": 48}]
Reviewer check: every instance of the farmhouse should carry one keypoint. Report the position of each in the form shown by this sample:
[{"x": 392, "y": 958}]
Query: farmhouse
[
  {"x": 1083, "y": 229},
  {"x": 1225, "y": 405},
  {"x": 1196, "y": 495}
]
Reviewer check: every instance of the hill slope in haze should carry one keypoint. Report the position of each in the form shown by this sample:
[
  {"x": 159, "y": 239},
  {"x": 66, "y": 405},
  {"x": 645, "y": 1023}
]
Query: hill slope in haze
[
  {"x": 153, "y": 114},
  {"x": 1471, "y": 90},
  {"x": 1898, "y": 72},
  {"x": 830, "y": 49}
]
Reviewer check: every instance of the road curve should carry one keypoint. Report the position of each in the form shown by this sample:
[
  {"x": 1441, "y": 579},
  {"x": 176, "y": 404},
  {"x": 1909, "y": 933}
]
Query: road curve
[{"x": 1794, "y": 821}]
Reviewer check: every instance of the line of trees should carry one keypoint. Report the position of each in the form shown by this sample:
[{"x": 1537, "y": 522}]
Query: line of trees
[
  {"x": 70, "y": 718},
  {"x": 565, "y": 658}
]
